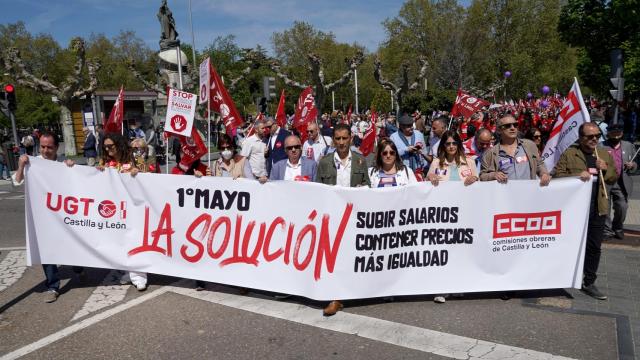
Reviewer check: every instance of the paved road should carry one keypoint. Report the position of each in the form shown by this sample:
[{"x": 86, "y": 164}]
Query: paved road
[{"x": 99, "y": 318}]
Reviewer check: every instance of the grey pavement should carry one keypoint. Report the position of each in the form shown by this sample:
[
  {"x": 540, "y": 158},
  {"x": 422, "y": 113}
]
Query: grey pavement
[{"x": 98, "y": 318}]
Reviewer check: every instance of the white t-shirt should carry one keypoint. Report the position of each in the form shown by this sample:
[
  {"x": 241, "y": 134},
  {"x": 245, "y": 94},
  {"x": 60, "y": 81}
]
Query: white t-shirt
[
  {"x": 292, "y": 172},
  {"x": 314, "y": 150}
]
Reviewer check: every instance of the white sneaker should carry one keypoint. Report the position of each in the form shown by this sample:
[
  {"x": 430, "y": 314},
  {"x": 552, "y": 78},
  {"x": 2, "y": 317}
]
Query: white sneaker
[
  {"x": 141, "y": 287},
  {"x": 439, "y": 299}
]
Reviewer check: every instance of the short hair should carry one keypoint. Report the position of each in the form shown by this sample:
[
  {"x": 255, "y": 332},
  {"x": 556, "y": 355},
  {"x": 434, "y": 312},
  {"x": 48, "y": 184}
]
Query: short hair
[
  {"x": 226, "y": 139},
  {"x": 139, "y": 142},
  {"x": 581, "y": 128},
  {"x": 504, "y": 116},
  {"x": 292, "y": 136},
  {"x": 441, "y": 119},
  {"x": 482, "y": 131},
  {"x": 341, "y": 126},
  {"x": 258, "y": 122},
  {"x": 45, "y": 133}
]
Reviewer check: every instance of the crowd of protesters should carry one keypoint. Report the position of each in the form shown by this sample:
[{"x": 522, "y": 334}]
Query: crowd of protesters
[{"x": 502, "y": 143}]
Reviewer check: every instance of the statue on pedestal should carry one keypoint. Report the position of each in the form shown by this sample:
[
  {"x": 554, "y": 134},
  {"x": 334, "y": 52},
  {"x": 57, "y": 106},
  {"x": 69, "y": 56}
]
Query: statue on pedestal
[{"x": 168, "y": 33}]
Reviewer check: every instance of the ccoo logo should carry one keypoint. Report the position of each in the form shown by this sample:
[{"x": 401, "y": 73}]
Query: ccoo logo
[{"x": 527, "y": 224}]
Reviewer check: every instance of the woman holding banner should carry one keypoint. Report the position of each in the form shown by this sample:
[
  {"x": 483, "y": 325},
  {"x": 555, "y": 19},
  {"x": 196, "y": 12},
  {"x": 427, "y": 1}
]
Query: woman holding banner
[
  {"x": 389, "y": 170},
  {"x": 451, "y": 165},
  {"x": 117, "y": 155},
  {"x": 230, "y": 163}
]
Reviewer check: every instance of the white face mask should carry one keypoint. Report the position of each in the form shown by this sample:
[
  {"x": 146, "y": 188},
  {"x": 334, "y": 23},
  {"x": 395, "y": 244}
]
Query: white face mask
[{"x": 226, "y": 154}]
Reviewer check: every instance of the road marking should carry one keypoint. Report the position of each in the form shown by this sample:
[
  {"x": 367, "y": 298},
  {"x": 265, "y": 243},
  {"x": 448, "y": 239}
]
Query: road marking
[
  {"x": 109, "y": 292},
  {"x": 82, "y": 324},
  {"x": 12, "y": 268},
  {"x": 412, "y": 337}
]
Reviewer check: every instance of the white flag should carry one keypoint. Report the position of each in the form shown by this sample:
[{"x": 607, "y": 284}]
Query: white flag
[
  {"x": 205, "y": 82},
  {"x": 565, "y": 131}
]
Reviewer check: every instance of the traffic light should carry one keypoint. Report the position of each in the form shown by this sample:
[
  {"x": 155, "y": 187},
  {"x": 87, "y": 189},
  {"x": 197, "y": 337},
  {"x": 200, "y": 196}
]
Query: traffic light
[
  {"x": 10, "y": 97},
  {"x": 616, "y": 75},
  {"x": 269, "y": 87}
]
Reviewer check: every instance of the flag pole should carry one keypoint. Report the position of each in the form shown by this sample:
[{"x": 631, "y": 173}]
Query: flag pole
[
  {"x": 604, "y": 188},
  {"x": 208, "y": 137}
]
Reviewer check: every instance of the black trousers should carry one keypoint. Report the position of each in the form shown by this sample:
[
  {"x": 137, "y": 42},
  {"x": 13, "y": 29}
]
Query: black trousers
[{"x": 595, "y": 232}]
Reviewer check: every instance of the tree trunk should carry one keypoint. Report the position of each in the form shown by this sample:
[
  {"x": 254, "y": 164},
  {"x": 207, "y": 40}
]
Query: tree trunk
[{"x": 67, "y": 130}]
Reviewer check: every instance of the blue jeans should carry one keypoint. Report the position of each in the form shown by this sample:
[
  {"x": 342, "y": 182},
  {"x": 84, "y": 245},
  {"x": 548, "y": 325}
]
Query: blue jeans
[
  {"x": 4, "y": 168},
  {"x": 52, "y": 281}
]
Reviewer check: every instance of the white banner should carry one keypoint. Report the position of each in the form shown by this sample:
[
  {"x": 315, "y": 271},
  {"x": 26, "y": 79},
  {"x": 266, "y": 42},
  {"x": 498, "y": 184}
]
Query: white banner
[
  {"x": 205, "y": 81},
  {"x": 310, "y": 239},
  {"x": 181, "y": 108},
  {"x": 565, "y": 130}
]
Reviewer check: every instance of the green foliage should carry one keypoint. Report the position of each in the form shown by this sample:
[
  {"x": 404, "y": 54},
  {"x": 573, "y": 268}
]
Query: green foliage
[{"x": 597, "y": 27}]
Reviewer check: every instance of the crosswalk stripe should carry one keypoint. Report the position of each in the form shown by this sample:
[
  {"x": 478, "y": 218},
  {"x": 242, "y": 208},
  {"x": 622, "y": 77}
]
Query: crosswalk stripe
[
  {"x": 12, "y": 268},
  {"x": 108, "y": 293}
]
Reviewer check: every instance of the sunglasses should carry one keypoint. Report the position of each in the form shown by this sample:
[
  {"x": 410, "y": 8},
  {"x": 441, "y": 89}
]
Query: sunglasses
[
  {"x": 293, "y": 147},
  {"x": 537, "y": 136},
  {"x": 508, "y": 126},
  {"x": 592, "y": 137},
  {"x": 389, "y": 153},
  {"x": 451, "y": 143},
  {"x": 109, "y": 146},
  {"x": 310, "y": 131}
]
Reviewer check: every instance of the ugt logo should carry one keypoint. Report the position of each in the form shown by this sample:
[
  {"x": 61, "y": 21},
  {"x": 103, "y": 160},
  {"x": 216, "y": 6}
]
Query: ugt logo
[
  {"x": 72, "y": 205},
  {"x": 526, "y": 224}
]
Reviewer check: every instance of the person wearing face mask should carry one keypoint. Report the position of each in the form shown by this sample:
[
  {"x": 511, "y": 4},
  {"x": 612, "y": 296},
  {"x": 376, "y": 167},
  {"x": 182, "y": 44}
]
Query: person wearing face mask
[
  {"x": 622, "y": 153},
  {"x": 230, "y": 164}
]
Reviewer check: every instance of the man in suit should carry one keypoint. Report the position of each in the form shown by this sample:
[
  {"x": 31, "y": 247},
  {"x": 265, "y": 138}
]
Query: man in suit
[
  {"x": 622, "y": 153},
  {"x": 342, "y": 168},
  {"x": 89, "y": 147},
  {"x": 275, "y": 143},
  {"x": 294, "y": 167}
]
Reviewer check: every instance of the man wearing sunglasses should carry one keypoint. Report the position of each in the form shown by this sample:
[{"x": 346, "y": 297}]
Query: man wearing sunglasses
[
  {"x": 316, "y": 145},
  {"x": 591, "y": 163},
  {"x": 295, "y": 167},
  {"x": 513, "y": 158}
]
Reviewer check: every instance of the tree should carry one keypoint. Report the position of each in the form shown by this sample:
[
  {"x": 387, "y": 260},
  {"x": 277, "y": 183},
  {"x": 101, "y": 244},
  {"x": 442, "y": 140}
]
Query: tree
[
  {"x": 597, "y": 27},
  {"x": 398, "y": 91},
  {"x": 72, "y": 88}
]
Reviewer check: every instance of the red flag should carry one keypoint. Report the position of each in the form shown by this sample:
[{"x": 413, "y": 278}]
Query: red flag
[
  {"x": 222, "y": 103},
  {"x": 466, "y": 104},
  {"x": 306, "y": 112},
  {"x": 281, "y": 117},
  {"x": 348, "y": 118},
  {"x": 114, "y": 123},
  {"x": 193, "y": 148},
  {"x": 369, "y": 138}
]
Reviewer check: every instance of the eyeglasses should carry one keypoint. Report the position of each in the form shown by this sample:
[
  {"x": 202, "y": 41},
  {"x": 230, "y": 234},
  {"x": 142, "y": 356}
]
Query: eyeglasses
[
  {"x": 451, "y": 143},
  {"x": 109, "y": 146},
  {"x": 293, "y": 147},
  {"x": 310, "y": 131},
  {"x": 537, "y": 136},
  {"x": 508, "y": 126},
  {"x": 389, "y": 153},
  {"x": 592, "y": 137}
]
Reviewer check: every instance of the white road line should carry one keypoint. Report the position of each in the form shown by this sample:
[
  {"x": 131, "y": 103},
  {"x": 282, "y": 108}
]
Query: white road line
[
  {"x": 82, "y": 324},
  {"x": 412, "y": 337},
  {"x": 108, "y": 293},
  {"x": 12, "y": 268}
]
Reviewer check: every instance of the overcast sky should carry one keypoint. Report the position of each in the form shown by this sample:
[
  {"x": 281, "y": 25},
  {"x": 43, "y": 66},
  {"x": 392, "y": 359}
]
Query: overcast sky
[{"x": 251, "y": 21}]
